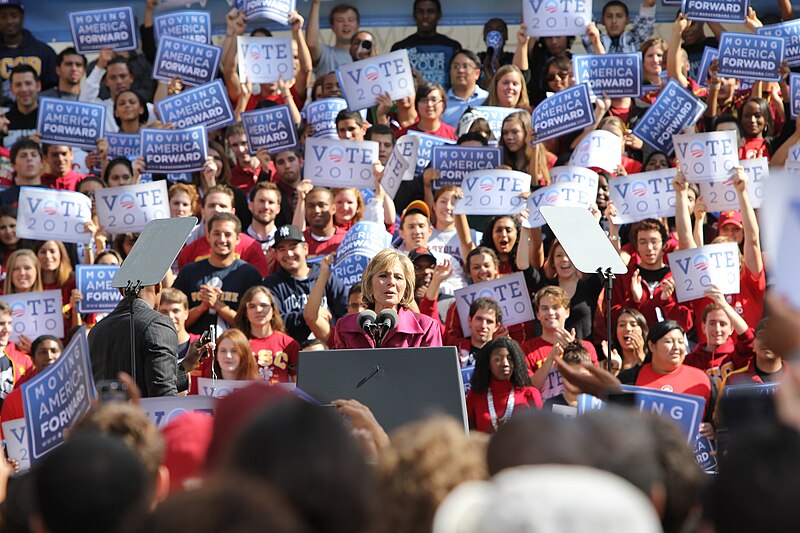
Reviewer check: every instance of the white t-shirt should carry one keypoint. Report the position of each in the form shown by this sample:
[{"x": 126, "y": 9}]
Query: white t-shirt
[
  {"x": 331, "y": 58},
  {"x": 446, "y": 241}
]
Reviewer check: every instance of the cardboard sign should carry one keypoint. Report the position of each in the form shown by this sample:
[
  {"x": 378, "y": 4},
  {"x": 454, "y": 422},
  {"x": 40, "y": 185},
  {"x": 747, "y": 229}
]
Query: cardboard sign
[
  {"x": 705, "y": 454},
  {"x": 722, "y": 196},
  {"x": 794, "y": 94},
  {"x": 194, "y": 63},
  {"x": 733, "y": 11},
  {"x": 128, "y": 209},
  {"x": 615, "y": 75},
  {"x": 17, "y": 445},
  {"x": 187, "y": 25},
  {"x": 466, "y": 377},
  {"x": 493, "y": 192},
  {"x": 338, "y": 163},
  {"x": 645, "y": 195},
  {"x": 362, "y": 82},
  {"x": 94, "y": 30},
  {"x": 35, "y": 313},
  {"x": 219, "y": 388},
  {"x": 271, "y": 128},
  {"x": 45, "y": 214},
  {"x": 360, "y": 244},
  {"x": 66, "y": 122},
  {"x": 553, "y": 18},
  {"x": 510, "y": 292},
  {"x": 709, "y": 55},
  {"x": 790, "y": 33},
  {"x": 455, "y": 162},
  {"x": 587, "y": 402},
  {"x": 495, "y": 117},
  {"x": 321, "y": 116},
  {"x": 94, "y": 282},
  {"x": 401, "y": 164},
  {"x": 58, "y": 397},
  {"x": 564, "y": 112},
  {"x": 695, "y": 270},
  {"x": 206, "y": 105},
  {"x": 683, "y": 409},
  {"x": 599, "y": 149},
  {"x": 164, "y": 410},
  {"x": 123, "y": 145},
  {"x": 425, "y": 149},
  {"x": 168, "y": 151},
  {"x": 752, "y": 57},
  {"x": 265, "y": 59},
  {"x": 277, "y": 10},
  {"x": 707, "y": 156},
  {"x": 674, "y": 109},
  {"x": 582, "y": 192}
]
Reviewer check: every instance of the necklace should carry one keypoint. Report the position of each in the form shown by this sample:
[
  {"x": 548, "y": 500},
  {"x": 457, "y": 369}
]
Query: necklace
[{"x": 493, "y": 413}]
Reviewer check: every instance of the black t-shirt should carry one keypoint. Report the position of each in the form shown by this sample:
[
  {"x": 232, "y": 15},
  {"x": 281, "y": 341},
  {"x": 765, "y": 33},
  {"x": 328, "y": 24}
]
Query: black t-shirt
[
  {"x": 20, "y": 125},
  {"x": 653, "y": 277},
  {"x": 430, "y": 56},
  {"x": 695, "y": 53}
]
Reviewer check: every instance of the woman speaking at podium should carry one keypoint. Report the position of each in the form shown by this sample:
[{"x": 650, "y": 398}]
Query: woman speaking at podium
[{"x": 388, "y": 284}]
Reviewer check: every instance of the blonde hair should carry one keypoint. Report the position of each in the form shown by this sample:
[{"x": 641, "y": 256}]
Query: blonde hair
[
  {"x": 523, "y": 102},
  {"x": 64, "y": 270},
  {"x": 383, "y": 261},
  {"x": 8, "y": 287},
  {"x": 359, "y": 201}
]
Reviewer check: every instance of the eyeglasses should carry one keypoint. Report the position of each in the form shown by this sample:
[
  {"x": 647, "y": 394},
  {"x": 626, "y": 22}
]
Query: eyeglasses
[
  {"x": 563, "y": 75},
  {"x": 431, "y": 101},
  {"x": 257, "y": 307},
  {"x": 463, "y": 66}
]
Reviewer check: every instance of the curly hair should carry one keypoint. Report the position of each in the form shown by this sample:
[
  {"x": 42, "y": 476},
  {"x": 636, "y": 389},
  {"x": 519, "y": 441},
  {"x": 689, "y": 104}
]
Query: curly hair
[
  {"x": 488, "y": 238},
  {"x": 483, "y": 374}
]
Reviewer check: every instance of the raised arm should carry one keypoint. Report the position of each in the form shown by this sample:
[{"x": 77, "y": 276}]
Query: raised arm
[
  {"x": 302, "y": 77},
  {"x": 674, "y": 69},
  {"x": 782, "y": 153},
  {"x": 683, "y": 221},
  {"x": 753, "y": 260},
  {"x": 521, "y": 52},
  {"x": 235, "y": 26},
  {"x": 312, "y": 32},
  {"x": 785, "y": 7},
  {"x": 299, "y": 218},
  {"x": 318, "y": 318}
]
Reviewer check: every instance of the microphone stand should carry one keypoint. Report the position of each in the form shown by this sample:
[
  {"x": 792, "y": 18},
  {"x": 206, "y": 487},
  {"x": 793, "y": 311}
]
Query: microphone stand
[{"x": 131, "y": 293}]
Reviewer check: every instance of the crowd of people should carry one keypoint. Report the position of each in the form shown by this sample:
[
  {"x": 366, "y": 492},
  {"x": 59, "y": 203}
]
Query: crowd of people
[{"x": 260, "y": 269}]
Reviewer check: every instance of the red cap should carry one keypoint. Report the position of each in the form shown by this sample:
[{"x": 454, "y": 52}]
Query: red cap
[
  {"x": 731, "y": 217},
  {"x": 186, "y": 440}
]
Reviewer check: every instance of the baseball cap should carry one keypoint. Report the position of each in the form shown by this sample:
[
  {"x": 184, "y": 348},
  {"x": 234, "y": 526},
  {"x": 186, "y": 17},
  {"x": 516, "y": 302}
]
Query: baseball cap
[
  {"x": 417, "y": 206},
  {"x": 421, "y": 252},
  {"x": 731, "y": 217},
  {"x": 288, "y": 233}
]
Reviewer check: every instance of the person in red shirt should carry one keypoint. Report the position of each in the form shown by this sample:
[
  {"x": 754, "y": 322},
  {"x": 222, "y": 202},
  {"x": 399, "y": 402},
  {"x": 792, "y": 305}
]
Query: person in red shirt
[
  {"x": 431, "y": 102},
  {"x": 248, "y": 168},
  {"x": 232, "y": 358},
  {"x": 62, "y": 175},
  {"x": 322, "y": 235},
  {"x": 501, "y": 386},
  {"x": 14, "y": 363},
  {"x": 46, "y": 349}
]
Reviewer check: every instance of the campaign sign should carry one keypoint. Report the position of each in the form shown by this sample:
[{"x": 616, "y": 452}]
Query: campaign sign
[
  {"x": 207, "y": 104},
  {"x": 684, "y": 409},
  {"x": 58, "y": 397},
  {"x": 265, "y": 59},
  {"x": 94, "y": 282},
  {"x": 194, "y": 63},
  {"x": 705, "y": 454},
  {"x": 509, "y": 291},
  {"x": 425, "y": 149},
  {"x": 45, "y": 214},
  {"x": 751, "y": 57},
  {"x": 794, "y": 94},
  {"x": 123, "y": 145},
  {"x": 579, "y": 193},
  {"x": 554, "y": 18},
  {"x": 613, "y": 75},
  {"x": 722, "y": 196},
  {"x": 401, "y": 165},
  {"x": 66, "y": 122},
  {"x": 641, "y": 196},
  {"x": 164, "y": 410},
  {"x": 466, "y": 377},
  {"x": 495, "y": 116},
  {"x": 360, "y": 244},
  {"x": 95, "y": 30},
  {"x": 599, "y": 149},
  {"x": 733, "y": 11},
  {"x": 707, "y": 156},
  {"x": 187, "y": 25},
  {"x": 697, "y": 269},
  {"x": 748, "y": 390},
  {"x": 455, "y": 162},
  {"x": 790, "y": 33},
  {"x": 17, "y": 445},
  {"x": 587, "y": 402},
  {"x": 168, "y": 151},
  {"x": 709, "y": 55},
  {"x": 219, "y": 388},
  {"x": 493, "y": 192},
  {"x": 271, "y": 128},
  {"x": 321, "y": 116},
  {"x": 362, "y": 82},
  {"x": 339, "y": 163},
  {"x": 35, "y": 313},
  {"x": 277, "y": 10},
  {"x": 128, "y": 209},
  {"x": 564, "y": 112},
  {"x": 674, "y": 109}
]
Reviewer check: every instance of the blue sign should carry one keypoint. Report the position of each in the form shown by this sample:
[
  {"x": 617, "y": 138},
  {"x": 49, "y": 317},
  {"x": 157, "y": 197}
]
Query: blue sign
[
  {"x": 615, "y": 75},
  {"x": 455, "y": 162},
  {"x": 193, "y": 63},
  {"x": 207, "y": 104},
  {"x": 752, "y": 57},
  {"x": 271, "y": 128},
  {"x": 187, "y": 25},
  {"x": 95, "y": 30},
  {"x": 174, "y": 150},
  {"x": 58, "y": 397},
  {"x": 564, "y": 112},
  {"x": 362, "y": 241},
  {"x": 790, "y": 32},
  {"x": 71, "y": 123},
  {"x": 683, "y": 409},
  {"x": 749, "y": 389},
  {"x": 733, "y": 11},
  {"x": 587, "y": 402},
  {"x": 794, "y": 94},
  {"x": 495, "y": 116},
  {"x": 709, "y": 55},
  {"x": 705, "y": 454},
  {"x": 674, "y": 109},
  {"x": 123, "y": 145},
  {"x": 321, "y": 116},
  {"x": 425, "y": 150},
  {"x": 277, "y": 10},
  {"x": 94, "y": 282},
  {"x": 466, "y": 377}
]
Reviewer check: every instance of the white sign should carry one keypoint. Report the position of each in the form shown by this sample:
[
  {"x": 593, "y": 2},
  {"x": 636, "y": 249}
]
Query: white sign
[
  {"x": 164, "y": 410},
  {"x": 219, "y": 388},
  {"x": 340, "y": 163},
  {"x": 128, "y": 209},
  {"x": 45, "y": 214},
  {"x": 696, "y": 270},
  {"x": 707, "y": 156},
  {"x": 265, "y": 59},
  {"x": 722, "y": 196},
  {"x": 582, "y": 192},
  {"x": 401, "y": 164},
  {"x": 644, "y": 195},
  {"x": 16, "y": 438},
  {"x": 362, "y": 82},
  {"x": 781, "y": 228},
  {"x": 599, "y": 149},
  {"x": 555, "y": 18},
  {"x": 510, "y": 292},
  {"x": 493, "y": 192},
  {"x": 35, "y": 313}
]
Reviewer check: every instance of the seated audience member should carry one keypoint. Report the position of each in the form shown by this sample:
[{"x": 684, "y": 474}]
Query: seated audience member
[
  {"x": 175, "y": 305},
  {"x": 233, "y": 359},
  {"x": 566, "y": 403}
]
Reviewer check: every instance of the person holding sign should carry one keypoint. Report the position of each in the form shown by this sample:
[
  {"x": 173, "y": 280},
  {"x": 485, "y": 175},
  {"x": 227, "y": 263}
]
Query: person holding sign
[
  {"x": 615, "y": 19},
  {"x": 130, "y": 111},
  {"x": 45, "y": 350},
  {"x": 344, "y": 22},
  {"x": 14, "y": 359}
]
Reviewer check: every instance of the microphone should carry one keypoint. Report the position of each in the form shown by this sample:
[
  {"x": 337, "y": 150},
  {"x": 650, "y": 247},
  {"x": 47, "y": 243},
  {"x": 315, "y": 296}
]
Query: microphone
[
  {"x": 387, "y": 320},
  {"x": 366, "y": 321},
  {"x": 216, "y": 283}
]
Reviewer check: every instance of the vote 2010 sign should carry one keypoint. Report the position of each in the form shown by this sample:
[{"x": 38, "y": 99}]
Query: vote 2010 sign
[
  {"x": 174, "y": 150},
  {"x": 128, "y": 209},
  {"x": 265, "y": 59},
  {"x": 17, "y": 445},
  {"x": 94, "y": 283},
  {"x": 337, "y": 163},
  {"x": 613, "y": 75},
  {"x": 277, "y": 10},
  {"x": 164, "y": 410},
  {"x": 493, "y": 192},
  {"x": 187, "y": 25},
  {"x": 94, "y": 30},
  {"x": 752, "y": 57},
  {"x": 271, "y": 128},
  {"x": 321, "y": 116},
  {"x": 573, "y": 189},
  {"x": 707, "y": 156},
  {"x": 564, "y": 112},
  {"x": 733, "y": 11},
  {"x": 206, "y": 105},
  {"x": 696, "y": 270},
  {"x": 45, "y": 214},
  {"x": 722, "y": 195},
  {"x": 425, "y": 149},
  {"x": 35, "y": 313},
  {"x": 455, "y": 162},
  {"x": 674, "y": 109},
  {"x": 599, "y": 149},
  {"x": 510, "y": 292},
  {"x": 554, "y": 18},
  {"x": 644, "y": 195},
  {"x": 219, "y": 388},
  {"x": 401, "y": 164},
  {"x": 64, "y": 122},
  {"x": 194, "y": 63},
  {"x": 362, "y": 82},
  {"x": 790, "y": 33}
]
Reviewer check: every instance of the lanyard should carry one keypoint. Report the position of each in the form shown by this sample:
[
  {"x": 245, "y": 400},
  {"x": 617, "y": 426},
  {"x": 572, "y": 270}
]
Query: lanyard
[{"x": 493, "y": 413}]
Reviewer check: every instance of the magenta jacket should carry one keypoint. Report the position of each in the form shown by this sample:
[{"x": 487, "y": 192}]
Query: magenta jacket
[{"x": 413, "y": 329}]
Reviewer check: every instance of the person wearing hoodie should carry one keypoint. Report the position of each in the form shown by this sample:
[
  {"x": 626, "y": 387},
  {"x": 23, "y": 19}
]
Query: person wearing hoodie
[{"x": 18, "y": 45}]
